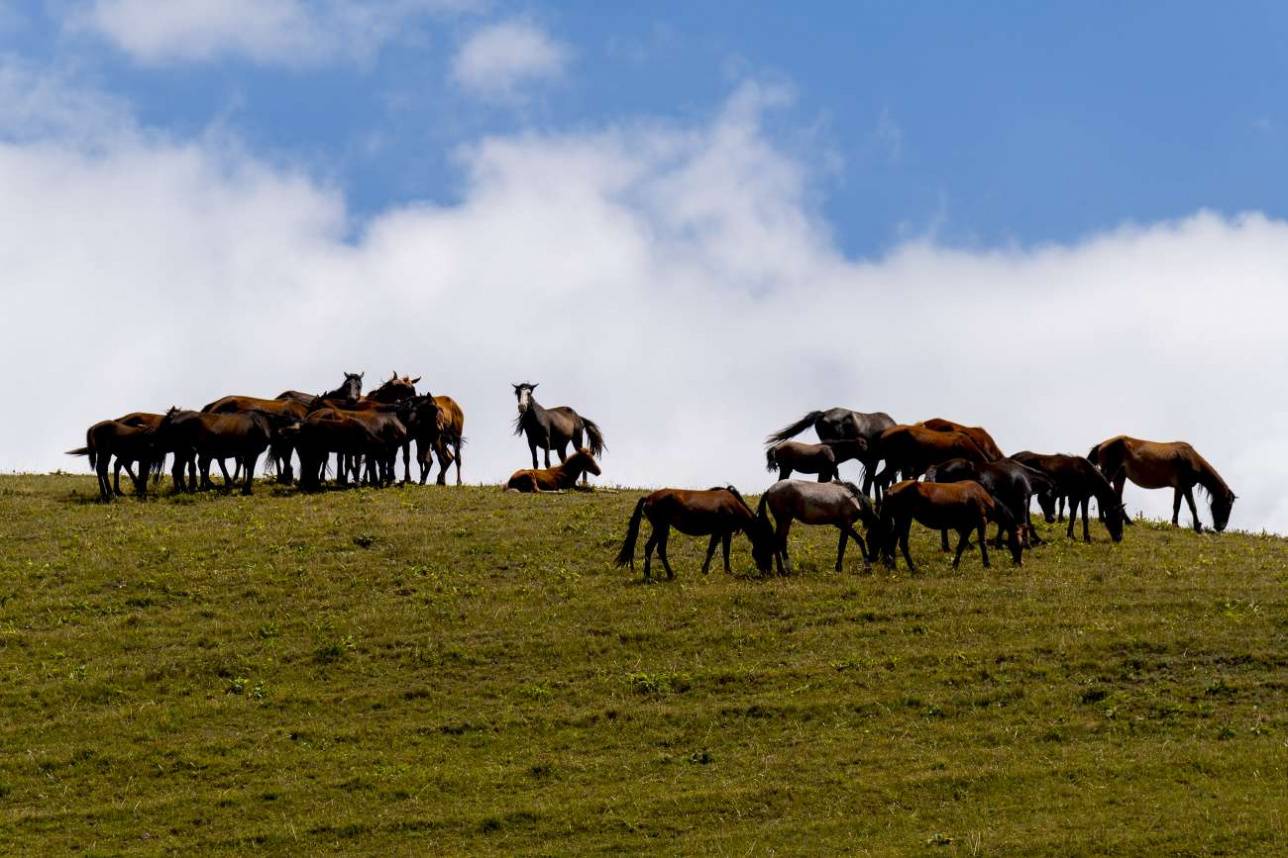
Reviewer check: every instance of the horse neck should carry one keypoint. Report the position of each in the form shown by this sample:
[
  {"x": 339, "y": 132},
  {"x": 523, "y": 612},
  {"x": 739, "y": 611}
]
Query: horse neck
[
  {"x": 1208, "y": 478},
  {"x": 1100, "y": 486},
  {"x": 535, "y": 416}
]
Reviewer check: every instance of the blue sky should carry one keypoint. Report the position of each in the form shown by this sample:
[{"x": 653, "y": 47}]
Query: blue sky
[{"x": 982, "y": 123}]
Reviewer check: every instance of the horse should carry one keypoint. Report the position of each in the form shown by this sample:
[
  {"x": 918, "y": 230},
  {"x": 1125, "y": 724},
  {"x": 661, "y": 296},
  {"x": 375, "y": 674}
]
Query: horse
[
  {"x": 279, "y": 453},
  {"x": 146, "y": 419},
  {"x": 964, "y": 507},
  {"x": 910, "y": 450},
  {"x": 1011, "y": 484},
  {"x": 718, "y": 512},
  {"x": 109, "y": 438},
  {"x": 350, "y": 388},
  {"x": 384, "y": 421},
  {"x": 553, "y": 428},
  {"x": 842, "y": 424},
  {"x": 395, "y": 389},
  {"x": 822, "y": 459},
  {"x": 836, "y": 503},
  {"x": 328, "y": 431},
  {"x": 241, "y": 436},
  {"x": 1163, "y": 464},
  {"x": 1079, "y": 480},
  {"x": 978, "y": 434},
  {"x": 560, "y": 477}
]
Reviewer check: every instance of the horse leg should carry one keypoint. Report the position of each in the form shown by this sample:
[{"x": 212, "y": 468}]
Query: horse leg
[
  {"x": 457, "y": 448},
  {"x": 983, "y": 543},
  {"x": 250, "y": 472},
  {"x": 863, "y": 546},
  {"x": 104, "y": 482},
  {"x": 1119, "y": 482},
  {"x": 963, "y": 537},
  {"x": 724, "y": 544},
  {"x": 223, "y": 468},
  {"x": 116, "y": 476},
  {"x": 943, "y": 540},
  {"x": 661, "y": 551},
  {"x": 532, "y": 446},
  {"x": 1086, "y": 528},
  {"x": 1177, "y": 494},
  {"x": 784, "y": 527},
  {"x": 1194, "y": 512},
  {"x": 711, "y": 551},
  {"x": 1060, "y": 507},
  {"x": 1073, "y": 515},
  {"x": 840, "y": 548},
  {"x": 905, "y": 529},
  {"x": 648, "y": 551},
  {"x": 444, "y": 462}
]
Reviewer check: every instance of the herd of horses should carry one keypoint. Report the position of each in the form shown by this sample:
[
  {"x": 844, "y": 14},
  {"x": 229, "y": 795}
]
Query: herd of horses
[
  {"x": 945, "y": 475},
  {"x": 942, "y": 474}
]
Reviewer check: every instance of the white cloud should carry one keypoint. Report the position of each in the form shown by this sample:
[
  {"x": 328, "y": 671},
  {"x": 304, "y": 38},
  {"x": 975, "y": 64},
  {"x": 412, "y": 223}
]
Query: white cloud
[
  {"x": 270, "y": 32},
  {"x": 669, "y": 281},
  {"x": 499, "y": 60}
]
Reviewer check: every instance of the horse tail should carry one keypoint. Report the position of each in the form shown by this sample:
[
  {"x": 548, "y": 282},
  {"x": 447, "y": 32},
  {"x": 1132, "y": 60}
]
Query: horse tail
[
  {"x": 771, "y": 458},
  {"x": 627, "y": 554},
  {"x": 85, "y": 451},
  {"x": 796, "y": 428},
  {"x": 596, "y": 437},
  {"x": 762, "y": 512}
]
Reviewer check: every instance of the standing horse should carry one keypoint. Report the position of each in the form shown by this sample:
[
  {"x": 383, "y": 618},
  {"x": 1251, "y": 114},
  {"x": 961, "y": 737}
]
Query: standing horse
[
  {"x": 241, "y": 436},
  {"x": 910, "y": 450},
  {"x": 719, "y": 512},
  {"x": 553, "y": 428},
  {"x": 838, "y": 504},
  {"x": 842, "y": 424},
  {"x": 109, "y": 438},
  {"x": 1078, "y": 480},
  {"x": 964, "y": 507},
  {"x": 1011, "y": 484},
  {"x": 350, "y": 388},
  {"x": 1164, "y": 464},
  {"x": 560, "y": 477},
  {"x": 822, "y": 459},
  {"x": 279, "y": 454},
  {"x": 978, "y": 434}
]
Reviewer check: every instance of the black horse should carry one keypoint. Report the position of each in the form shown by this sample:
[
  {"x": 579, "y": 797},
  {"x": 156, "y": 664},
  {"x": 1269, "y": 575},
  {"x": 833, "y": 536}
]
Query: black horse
[
  {"x": 1011, "y": 484},
  {"x": 842, "y": 424},
  {"x": 553, "y": 428},
  {"x": 351, "y": 388},
  {"x": 1079, "y": 480}
]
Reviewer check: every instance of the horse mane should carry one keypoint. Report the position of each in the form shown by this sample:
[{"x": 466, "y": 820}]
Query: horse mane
[
  {"x": 1208, "y": 478},
  {"x": 733, "y": 491}
]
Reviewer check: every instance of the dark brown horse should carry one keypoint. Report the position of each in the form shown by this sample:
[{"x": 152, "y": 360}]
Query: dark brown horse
[
  {"x": 146, "y": 419},
  {"x": 1011, "y": 483},
  {"x": 965, "y": 507},
  {"x": 1165, "y": 464},
  {"x": 215, "y": 437},
  {"x": 395, "y": 389},
  {"x": 1078, "y": 480},
  {"x": 559, "y": 478},
  {"x": 329, "y": 431},
  {"x": 717, "y": 512},
  {"x": 385, "y": 422},
  {"x": 553, "y": 428},
  {"x": 787, "y": 457},
  {"x": 291, "y": 410},
  {"x": 982, "y": 439},
  {"x": 837, "y": 504},
  {"x": 842, "y": 424},
  {"x": 910, "y": 450},
  {"x": 110, "y": 438}
]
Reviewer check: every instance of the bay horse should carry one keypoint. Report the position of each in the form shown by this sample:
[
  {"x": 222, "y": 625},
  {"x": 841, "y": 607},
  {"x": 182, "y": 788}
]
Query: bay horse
[
  {"x": 719, "y": 512},
  {"x": 145, "y": 419},
  {"x": 445, "y": 443},
  {"x": 350, "y": 388},
  {"x": 1078, "y": 480},
  {"x": 279, "y": 453},
  {"x": 822, "y": 459},
  {"x": 839, "y": 504},
  {"x": 109, "y": 438},
  {"x": 842, "y": 424},
  {"x": 386, "y": 421},
  {"x": 553, "y": 428},
  {"x": 964, "y": 507},
  {"x": 560, "y": 477},
  {"x": 1012, "y": 484},
  {"x": 328, "y": 431},
  {"x": 910, "y": 450},
  {"x": 395, "y": 389},
  {"x": 978, "y": 434},
  {"x": 1164, "y": 464},
  {"x": 241, "y": 436}
]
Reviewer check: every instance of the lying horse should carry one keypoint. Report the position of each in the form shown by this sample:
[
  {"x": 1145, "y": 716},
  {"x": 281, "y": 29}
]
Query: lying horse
[
  {"x": 109, "y": 438},
  {"x": 1160, "y": 464},
  {"x": 1077, "y": 479},
  {"x": 718, "y": 512},
  {"x": 1011, "y": 484},
  {"x": 838, "y": 504},
  {"x": 553, "y": 428},
  {"x": 559, "y": 478},
  {"x": 964, "y": 507},
  {"x": 842, "y": 424},
  {"x": 982, "y": 439},
  {"x": 822, "y": 459}
]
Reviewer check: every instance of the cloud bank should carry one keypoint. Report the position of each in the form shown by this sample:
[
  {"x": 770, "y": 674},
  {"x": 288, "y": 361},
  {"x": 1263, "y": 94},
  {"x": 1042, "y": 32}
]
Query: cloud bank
[
  {"x": 670, "y": 281},
  {"x": 498, "y": 61}
]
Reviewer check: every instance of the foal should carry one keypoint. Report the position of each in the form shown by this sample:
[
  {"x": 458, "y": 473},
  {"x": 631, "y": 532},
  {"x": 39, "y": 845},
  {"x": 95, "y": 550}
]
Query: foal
[
  {"x": 559, "y": 478},
  {"x": 822, "y": 459},
  {"x": 720, "y": 512}
]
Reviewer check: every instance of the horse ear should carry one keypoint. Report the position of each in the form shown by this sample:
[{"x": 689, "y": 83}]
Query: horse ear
[
  {"x": 533, "y": 386},
  {"x": 416, "y": 379}
]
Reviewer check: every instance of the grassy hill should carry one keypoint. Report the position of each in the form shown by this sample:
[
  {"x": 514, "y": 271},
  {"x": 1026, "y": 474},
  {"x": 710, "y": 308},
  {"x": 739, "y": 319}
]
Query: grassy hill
[{"x": 443, "y": 670}]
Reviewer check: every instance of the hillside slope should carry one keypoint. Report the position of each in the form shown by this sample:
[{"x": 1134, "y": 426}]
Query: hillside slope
[{"x": 444, "y": 670}]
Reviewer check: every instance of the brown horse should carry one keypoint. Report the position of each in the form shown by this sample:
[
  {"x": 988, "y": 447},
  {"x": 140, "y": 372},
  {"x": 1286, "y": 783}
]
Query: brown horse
[
  {"x": 395, "y": 389},
  {"x": 964, "y": 507},
  {"x": 978, "y": 434},
  {"x": 109, "y": 438},
  {"x": 822, "y": 459},
  {"x": 328, "y": 431},
  {"x": 910, "y": 450},
  {"x": 718, "y": 512},
  {"x": 1078, "y": 480},
  {"x": 562, "y": 476},
  {"x": 350, "y": 388},
  {"x": 386, "y": 422},
  {"x": 279, "y": 453},
  {"x": 838, "y": 504},
  {"x": 1165, "y": 464},
  {"x": 451, "y": 424},
  {"x": 216, "y": 437}
]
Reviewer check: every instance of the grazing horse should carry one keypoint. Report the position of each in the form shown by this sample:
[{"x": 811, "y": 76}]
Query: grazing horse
[
  {"x": 910, "y": 450},
  {"x": 1077, "y": 479},
  {"x": 1011, "y": 484},
  {"x": 982, "y": 439},
  {"x": 718, "y": 512},
  {"x": 839, "y": 504},
  {"x": 560, "y": 477},
  {"x": 964, "y": 507},
  {"x": 552, "y": 428},
  {"x": 109, "y": 438},
  {"x": 822, "y": 459},
  {"x": 1163, "y": 464},
  {"x": 842, "y": 424},
  {"x": 350, "y": 388}
]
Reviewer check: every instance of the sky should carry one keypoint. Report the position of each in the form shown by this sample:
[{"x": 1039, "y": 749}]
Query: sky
[{"x": 694, "y": 222}]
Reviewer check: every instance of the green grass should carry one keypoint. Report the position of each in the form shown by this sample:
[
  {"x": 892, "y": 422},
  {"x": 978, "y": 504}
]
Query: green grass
[{"x": 461, "y": 671}]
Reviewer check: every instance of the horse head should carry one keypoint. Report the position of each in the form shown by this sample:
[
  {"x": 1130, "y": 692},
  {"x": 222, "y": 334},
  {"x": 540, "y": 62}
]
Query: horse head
[
  {"x": 589, "y": 465},
  {"x": 352, "y": 386},
  {"x": 1222, "y": 503},
  {"x": 523, "y": 393}
]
